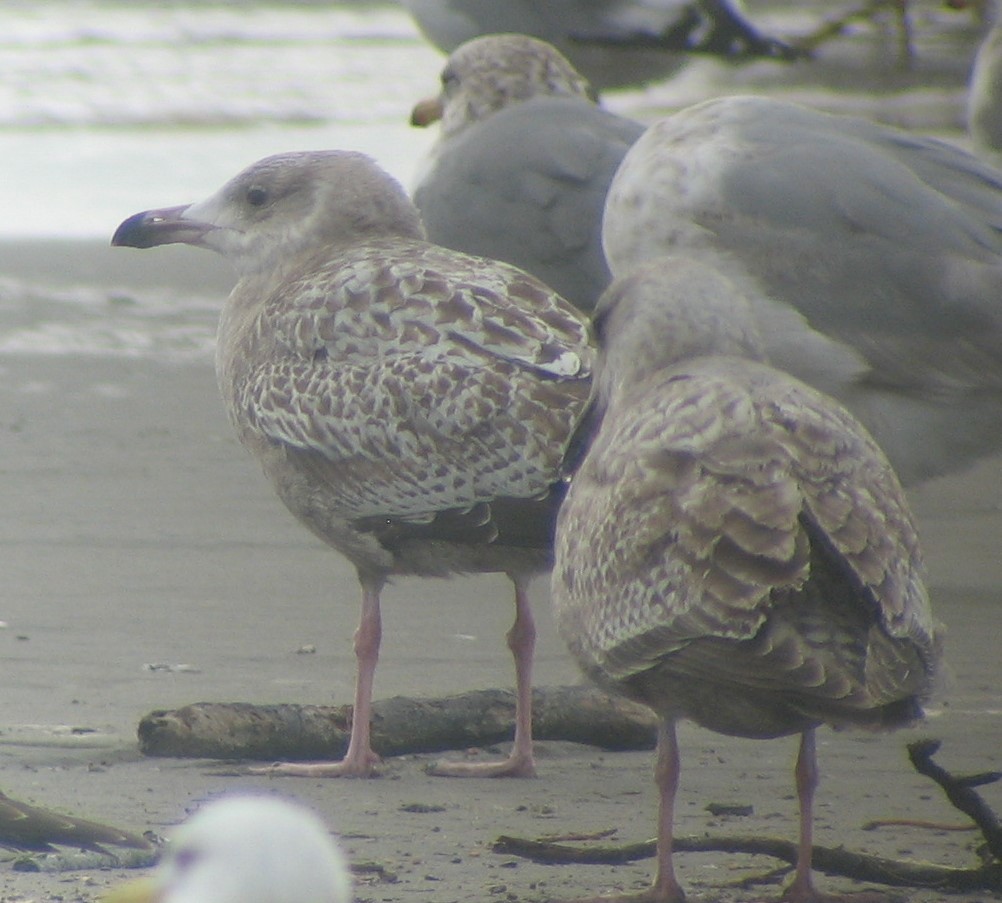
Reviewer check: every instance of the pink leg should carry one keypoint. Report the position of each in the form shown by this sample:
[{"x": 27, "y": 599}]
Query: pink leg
[
  {"x": 802, "y": 887},
  {"x": 666, "y": 888},
  {"x": 666, "y": 774},
  {"x": 522, "y": 643},
  {"x": 360, "y": 758}
]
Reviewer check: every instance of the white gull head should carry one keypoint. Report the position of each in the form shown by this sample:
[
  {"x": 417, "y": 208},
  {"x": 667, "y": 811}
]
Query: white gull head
[{"x": 246, "y": 849}]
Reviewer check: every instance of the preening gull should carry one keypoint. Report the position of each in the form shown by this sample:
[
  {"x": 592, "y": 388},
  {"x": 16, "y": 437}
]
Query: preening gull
[
  {"x": 877, "y": 253},
  {"x": 27, "y": 827},
  {"x": 615, "y": 43},
  {"x": 246, "y": 849},
  {"x": 524, "y": 161},
  {"x": 409, "y": 403},
  {"x": 734, "y": 549}
]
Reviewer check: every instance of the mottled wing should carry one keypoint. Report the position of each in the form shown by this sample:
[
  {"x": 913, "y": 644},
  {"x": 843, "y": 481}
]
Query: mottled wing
[
  {"x": 695, "y": 510},
  {"x": 433, "y": 381}
]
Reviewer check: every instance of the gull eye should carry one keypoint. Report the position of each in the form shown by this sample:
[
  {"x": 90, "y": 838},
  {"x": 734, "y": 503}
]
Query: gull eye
[
  {"x": 256, "y": 196},
  {"x": 185, "y": 858},
  {"x": 449, "y": 79}
]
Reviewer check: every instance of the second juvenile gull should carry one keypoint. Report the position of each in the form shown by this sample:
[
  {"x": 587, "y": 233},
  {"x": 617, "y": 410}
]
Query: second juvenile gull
[
  {"x": 523, "y": 163},
  {"x": 409, "y": 403},
  {"x": 734, "y": 549}
]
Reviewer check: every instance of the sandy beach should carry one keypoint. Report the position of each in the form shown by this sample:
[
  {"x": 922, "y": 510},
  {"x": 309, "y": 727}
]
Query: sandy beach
[{"x": 146, "y": 564}]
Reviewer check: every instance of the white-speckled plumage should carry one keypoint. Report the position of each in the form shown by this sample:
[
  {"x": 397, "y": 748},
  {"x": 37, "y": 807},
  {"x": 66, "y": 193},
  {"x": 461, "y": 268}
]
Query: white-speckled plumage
[
  {"x": 883, "y": 246},
  {"x": 522, "y": 166},
  {"x": 409, "y": 403},
  {"x": 490, "y": 73},
  {"x": 734, "y": 547}
]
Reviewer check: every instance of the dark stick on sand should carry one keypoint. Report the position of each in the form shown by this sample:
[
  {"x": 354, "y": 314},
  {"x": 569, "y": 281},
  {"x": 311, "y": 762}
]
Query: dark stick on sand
[
  {"x": 837, "y": 861},
  {"x": 959, "y": 790}
]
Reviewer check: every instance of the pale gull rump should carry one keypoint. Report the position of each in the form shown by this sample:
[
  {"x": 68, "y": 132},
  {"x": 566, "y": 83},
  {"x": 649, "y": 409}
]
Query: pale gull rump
[
  {"x": 246, "y": 849},
  {"x": 523, "y": 163},
  {"x": 734, "y": 549},
  {"x": 877, "y": 253},
  {"x": 615, "y": 43},
  {"x": 410, "y": 404}
]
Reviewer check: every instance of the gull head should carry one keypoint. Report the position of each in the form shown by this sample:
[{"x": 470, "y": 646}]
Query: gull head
[
  {"x": 492, "y": 72},
  {"x": 282, "y": 207},
  {"x": 671, "y": 309},
  {"x": 246, "y": 849}
]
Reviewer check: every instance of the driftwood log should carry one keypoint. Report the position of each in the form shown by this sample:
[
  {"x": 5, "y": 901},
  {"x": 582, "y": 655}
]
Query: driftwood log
[
  {"x": 838, "y": 861},
  {"x": 400, "y": 725}
]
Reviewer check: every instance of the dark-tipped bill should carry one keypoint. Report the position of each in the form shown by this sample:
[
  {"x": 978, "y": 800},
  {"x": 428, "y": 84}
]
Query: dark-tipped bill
[{"x": 159, "y": 227}]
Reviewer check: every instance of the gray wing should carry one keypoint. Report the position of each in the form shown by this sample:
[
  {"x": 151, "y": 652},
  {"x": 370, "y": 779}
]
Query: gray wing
[
  {"x": 887, "y": 245},
  {"x": 825, "y": 173},
  {"x": 527, "y": 186}
]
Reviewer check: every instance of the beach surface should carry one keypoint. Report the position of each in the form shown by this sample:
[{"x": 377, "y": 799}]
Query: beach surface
[{"x": 147, "y": 564}]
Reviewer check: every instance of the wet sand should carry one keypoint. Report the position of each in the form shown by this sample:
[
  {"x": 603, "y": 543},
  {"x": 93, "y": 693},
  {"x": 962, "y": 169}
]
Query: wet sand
[
  {"x": 138, "y": 537},
  {"x": 138, "y": 534}
]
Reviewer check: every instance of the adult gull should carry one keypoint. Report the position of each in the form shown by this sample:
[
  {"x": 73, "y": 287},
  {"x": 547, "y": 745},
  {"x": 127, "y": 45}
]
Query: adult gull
[
  {"x": 410, "y": 404},
  {"x": 876, "y": 253},
  {"x": 246, "y": 849},
  {"x": 615, "y": 43},
  {"x": 523, "y": 162},
  {"x": 734, "y": 549}
]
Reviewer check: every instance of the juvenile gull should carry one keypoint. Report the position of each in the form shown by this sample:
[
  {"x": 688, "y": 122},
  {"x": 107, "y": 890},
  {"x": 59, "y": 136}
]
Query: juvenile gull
[
  {"x": 615, "y": 43},
  {"x": 246, "y": 849},
  {"x": 410, "y": 404},
  {"x": 523, "y": 163},
  {"x": 880, "y": 248},
  {"x": 734, "y": 549}
]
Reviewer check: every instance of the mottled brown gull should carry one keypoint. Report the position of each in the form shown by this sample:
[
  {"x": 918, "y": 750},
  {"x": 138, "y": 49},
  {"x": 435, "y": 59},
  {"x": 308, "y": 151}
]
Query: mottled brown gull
[
  {"x": 734, "y": 549},
  {"x": 410, "y": 404},
  {"x": 880, "y": 248},
  {"x": 246, "y": 849},
  {"x": 523, "y": 163}
]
